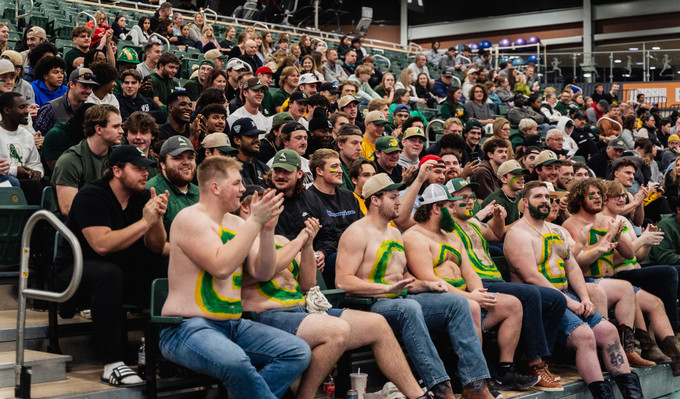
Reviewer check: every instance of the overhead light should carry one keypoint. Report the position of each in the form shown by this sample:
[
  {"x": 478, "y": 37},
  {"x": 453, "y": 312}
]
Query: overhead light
[
  {"x": 656, "y": 48},
  {"x": 639, "y": 63},
  {"x": 633, "y": 48},
  {"x": 586, "y": 75},
  {"x": 617, "y": 61},
  {"x": 652, "y": 67}
]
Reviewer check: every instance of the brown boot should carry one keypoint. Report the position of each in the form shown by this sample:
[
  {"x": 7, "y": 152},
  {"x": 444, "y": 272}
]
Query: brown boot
[
  {"x": 483, "y": 394},
  {"x": 628, "y": 343},
  {"x": 669, "y": 347},
  {"x": 650, "y": 350}
]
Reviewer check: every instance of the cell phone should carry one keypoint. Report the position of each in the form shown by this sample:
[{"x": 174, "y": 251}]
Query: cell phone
[{"x": 474, "y": 155}]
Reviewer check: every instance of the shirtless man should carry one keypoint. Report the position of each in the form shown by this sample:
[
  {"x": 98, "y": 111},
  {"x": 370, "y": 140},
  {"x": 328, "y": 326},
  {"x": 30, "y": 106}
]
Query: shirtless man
[
  {"x": 371, "y": 263},
  {"x": 590, "y": 252},
  {"x": 280, "y": 303},
  {"x": 209, "y": 248},
  {"x": 539, "y": 254},
  {"x": 543, "y": 307},
  {"x": 435, "y": 253}
]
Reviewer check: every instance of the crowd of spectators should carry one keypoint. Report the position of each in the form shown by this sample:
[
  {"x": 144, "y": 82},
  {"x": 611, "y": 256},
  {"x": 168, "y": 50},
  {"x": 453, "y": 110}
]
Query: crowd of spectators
[{"x": 326, "y": 144}]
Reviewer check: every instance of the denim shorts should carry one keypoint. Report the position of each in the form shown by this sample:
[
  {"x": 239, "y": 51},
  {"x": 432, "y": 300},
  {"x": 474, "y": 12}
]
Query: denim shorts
[
  {"x": 289, "y": 319},
  {"x": 570, "y": 321},
  {"x": 597, "y": 280}
]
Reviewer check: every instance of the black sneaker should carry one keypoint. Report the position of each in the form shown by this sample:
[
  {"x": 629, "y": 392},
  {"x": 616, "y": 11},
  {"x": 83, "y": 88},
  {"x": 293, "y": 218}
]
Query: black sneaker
[{"x": 513, "y": 381}]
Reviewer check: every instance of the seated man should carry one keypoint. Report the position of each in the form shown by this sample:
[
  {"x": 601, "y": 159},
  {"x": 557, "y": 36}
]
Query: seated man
[
  {"x": 371, "y": 263},
  {"x": 539, "y": 254},
  {"x": 118, "y": 224},
  {"x": 281, "y": 304},
  {"x": 432, "y": 255},
  {"x": 209, "y": 250}
]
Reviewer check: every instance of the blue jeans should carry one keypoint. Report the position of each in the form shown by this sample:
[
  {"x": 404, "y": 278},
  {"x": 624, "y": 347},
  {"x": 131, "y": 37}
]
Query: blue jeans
[
  {"x": 660, "y": 281},
  {"x": 233, "y": 350},
  {"x": 542, "y": 309},
  {"x": 570, "y": 320},
  {"x": 414, "y": 315}
]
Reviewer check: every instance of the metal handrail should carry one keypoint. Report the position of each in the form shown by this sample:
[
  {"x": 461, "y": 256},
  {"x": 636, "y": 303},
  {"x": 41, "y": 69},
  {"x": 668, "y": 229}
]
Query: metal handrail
[
  {"x": 389, "y": 63},
  {"x": 258, "y": 23},
  {"x": 213, "y": 12},
  {"x": 161, "y": 38},
  {"x": 87, "y": 15},
  {"x": 22, "y": 374},
  {"x": 427, "y": 129},
  {"x": 418, "y": 48},
  {"x": 316, "y": 39},
  {"x": 16, "y": 12},
  {"x": 459, "y": 82}
]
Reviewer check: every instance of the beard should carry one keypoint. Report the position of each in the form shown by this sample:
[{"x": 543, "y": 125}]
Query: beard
[
  {"x": 177, "y": 178},
  {"x": 592, "y": 208},
  {"x": 539, "y": 212},
  {"x": 446, "y": 222},
  {"x": 388, "y": 214}
]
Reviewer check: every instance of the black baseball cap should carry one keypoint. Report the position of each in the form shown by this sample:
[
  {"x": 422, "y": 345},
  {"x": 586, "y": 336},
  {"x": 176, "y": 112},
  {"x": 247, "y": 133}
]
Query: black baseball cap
[
  {"x": 129, "y": 154},
  {"x": 292, "y": 126},
  {"x": 245, "y": 127},
  {"x": 298, "y": 96},
  {"x": 330, "y": 87}
]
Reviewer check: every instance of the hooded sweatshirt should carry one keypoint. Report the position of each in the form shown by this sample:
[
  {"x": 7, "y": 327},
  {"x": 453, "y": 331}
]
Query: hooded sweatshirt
[
  {"x": 569, "y": 143},
  {"x": 43, "y": 94}
]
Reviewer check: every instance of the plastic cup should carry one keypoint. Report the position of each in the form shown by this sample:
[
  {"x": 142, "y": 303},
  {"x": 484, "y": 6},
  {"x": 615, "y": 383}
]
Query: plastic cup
[{"x": 358, "y": 381}]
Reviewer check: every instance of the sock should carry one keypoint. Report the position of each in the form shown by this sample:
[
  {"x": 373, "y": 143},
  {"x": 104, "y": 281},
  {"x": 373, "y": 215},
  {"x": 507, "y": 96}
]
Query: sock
[
  {"x": 503, "y": 368},
  {"x": 475, "y": 386}
]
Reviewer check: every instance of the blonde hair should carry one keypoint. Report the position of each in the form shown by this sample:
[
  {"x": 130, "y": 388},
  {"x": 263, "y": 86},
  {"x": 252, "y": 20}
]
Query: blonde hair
[{"x": 216, "y": 168}]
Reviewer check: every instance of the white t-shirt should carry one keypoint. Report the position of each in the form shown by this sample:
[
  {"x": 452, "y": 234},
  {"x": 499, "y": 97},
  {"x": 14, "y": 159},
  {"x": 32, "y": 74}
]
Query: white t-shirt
[
  {"x": 261, "y": 121},
  {"x": 108, "y": 99},
  {"x": 18, "y": 148}
]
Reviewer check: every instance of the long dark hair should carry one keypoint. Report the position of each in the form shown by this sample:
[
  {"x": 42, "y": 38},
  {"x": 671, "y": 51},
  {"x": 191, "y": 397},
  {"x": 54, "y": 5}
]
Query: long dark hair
[{"x": 450, "y": 97}]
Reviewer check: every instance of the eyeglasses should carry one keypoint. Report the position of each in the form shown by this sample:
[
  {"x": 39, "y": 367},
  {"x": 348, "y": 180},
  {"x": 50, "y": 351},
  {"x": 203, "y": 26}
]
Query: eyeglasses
[
  {"x": 620, "y": 197},
  {"x": 467, "y": 198}
]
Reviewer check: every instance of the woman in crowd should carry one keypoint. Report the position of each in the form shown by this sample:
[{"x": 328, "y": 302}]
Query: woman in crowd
[
  {"x": 94, "y": 55},
  {"x": 308, "y": 65},
  {"x": 217, "y": 79},
  {"x": 196, "y": 27},
  {"x": 672, "y": 182},
  {"x": 305, "y": 44},
  {"x": 229, "y": 38},
  {"x": 386, "y": 88},
  {"x": 295, "y": 51},
  {"x": 283, "y": 42},
  {"x": 140, "y": 33},
  {"x": 452, "y": 108},
  {"x": 120, "y": 27},
  {"x": 406, "y": 82},
  {"x": 177, "y": 22},
  {"x": 476, "y": 106},
  {"x": 504, "y": 90},
  {"x": 165, "y": 29},
  {"x": 183, "y": 40},
  {"x": 501, "y": 131},
  {"x": 258, "y": 40},
  {"x": 102, "y": 27},
  {"x": 267, "y": 47},
  {"x": 208, "y": 40},
  {"x": 284, "y": 62},
  {"x": 343, "y": 46},
  {"x": 49, "y": 80},
  {"x": 521, "y": 85},
  {"x": 423, "y": 87},
  {"x": 628, "y": 135},
  {"x": 4, "y": 36}
]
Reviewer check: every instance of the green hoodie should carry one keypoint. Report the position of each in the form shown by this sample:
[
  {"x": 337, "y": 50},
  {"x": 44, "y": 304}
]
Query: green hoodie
[{"x": 668, "y": 252}]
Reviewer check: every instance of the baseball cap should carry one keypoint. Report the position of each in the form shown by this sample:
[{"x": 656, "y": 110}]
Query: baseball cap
[
  {"x": 218, "y": 140},
  {"x": 6, "y": 66},
  {"x": 440, "y": 162},
  {"x": 245, "y": 127},
  {"x": 287, "y": 159},
  {"x": 13, "y": 56},
  {"x": 281, "y": 118},
  {"x": 298, "y": 96},
  {"x": 510, "y": 166},
  {"x": 292, "y": 126},
  {"x": 253, "y": 84},
  {"x": 83, "y": 75},
  {"x": 252, "y": 189},
  {"x": 413, "y": 132},
  {"x": 329, "y": 87},
  {"x": 320, "y": 120},
  {"x": 617, "y": 144},
  {"x": 569, "y": 123},
  {"x": 38, "y": 32},
  {"x": 237, "y": 64},
  {"x": 387, "y": 144},
  {"x": 129, "y": 154},
  {"x": 308, "y": 78},
  {"x": 436, "y": 193},
  {"x": 128, "y": 55},
  {"x": 346, "y": 100},
  {"x": 545, "y": 157},
  {"x": 532, "y": 150},
  {"x": 603, "y": 103},
  {"x": 457, "y": 184},
  {"x": 376, "y": 117},
  {"x": 214, "y": 54},
  {"x": 401, "y": 108},
  {"x": 533, "y": 140},
  {"x": 448, "y": 72},
  {"x": 473, "y": 124},
  {"x": 208, "y": 62},
  {"x": 176, "y": 145},
  {"x": 379, "y": 182},
  {"x": 472, "y": 70},
  {"x": 264, "y": 69},
  {"x": 673, "y": 137},
  {"x": 579, "y": 115}
]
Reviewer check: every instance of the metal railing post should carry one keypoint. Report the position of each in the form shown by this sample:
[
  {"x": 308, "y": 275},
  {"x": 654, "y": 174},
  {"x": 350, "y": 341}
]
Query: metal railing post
[
  {"x": 16, "y": 12},
  {"x": 87, "y": 15},
  {"x": 22, "y": 374}
]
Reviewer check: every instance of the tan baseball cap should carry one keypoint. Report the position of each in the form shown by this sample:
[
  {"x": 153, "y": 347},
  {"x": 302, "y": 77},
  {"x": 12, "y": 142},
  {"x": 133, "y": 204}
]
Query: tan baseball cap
[
  {"x": 219, "y": 141},
  {"x": 37, "y": 31},
  {"x": 345, "y": 100},
  {"x": 13, "y": 56},
  {"x": 545, "y": 157},
  {"x": 510, "y": 166},
  {"x": 376, "y": 117},
  {"x": 379, "y": 182},
  {"x": 413, "y": 131}
]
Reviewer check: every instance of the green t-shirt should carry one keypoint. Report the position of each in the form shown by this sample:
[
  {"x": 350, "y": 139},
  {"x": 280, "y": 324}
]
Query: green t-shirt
[
  {"x": 279, "y": 98},
  {"x": 177, "y": 199},
  {"x": 193, "y": 89},
  {"x": 562, "y": 108},
  {"x": 510, "y": 206},
  {"x": 78, "y": 166},
  {"x": 57, "y": 141},
  {"x": 268, "y": 104},
  {"x": 70, "y": 57},
  {"x": 162, "y": 87}
]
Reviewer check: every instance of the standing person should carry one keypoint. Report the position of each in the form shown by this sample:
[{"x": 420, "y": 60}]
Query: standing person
[
  {"x": 118, "y": 224},
  {"x": 210, "y": 247},
  {"x": 371, "y": 262},
  {"x": 539, "y": 254}
]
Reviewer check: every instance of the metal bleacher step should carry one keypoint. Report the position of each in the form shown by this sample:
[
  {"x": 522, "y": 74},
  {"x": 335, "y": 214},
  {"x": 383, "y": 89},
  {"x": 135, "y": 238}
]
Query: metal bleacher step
[{"x": 45, "y": 367}]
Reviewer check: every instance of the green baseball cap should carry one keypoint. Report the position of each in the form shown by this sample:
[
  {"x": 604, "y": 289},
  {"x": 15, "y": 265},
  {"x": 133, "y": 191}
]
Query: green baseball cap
[
  {"x": 457, "y": 184},
  {"x": 287, "y": 159},
  {"x": 387, "y": 144},
  {"x": 208, "y": 62},
  {"x": 281, "y": 119}
]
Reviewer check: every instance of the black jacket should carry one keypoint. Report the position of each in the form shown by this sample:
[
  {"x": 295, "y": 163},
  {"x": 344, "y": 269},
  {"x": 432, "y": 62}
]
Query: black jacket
[
  {"x": 587, "y": 142},
  {"x": 253, "y": 172},
  {"x": 600, "y": 164},
  {"x": 128, "y": 105}
]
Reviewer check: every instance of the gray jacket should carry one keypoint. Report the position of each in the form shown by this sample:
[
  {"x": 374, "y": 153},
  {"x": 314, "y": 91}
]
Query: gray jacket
[{"x": 333, "y": 73}]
